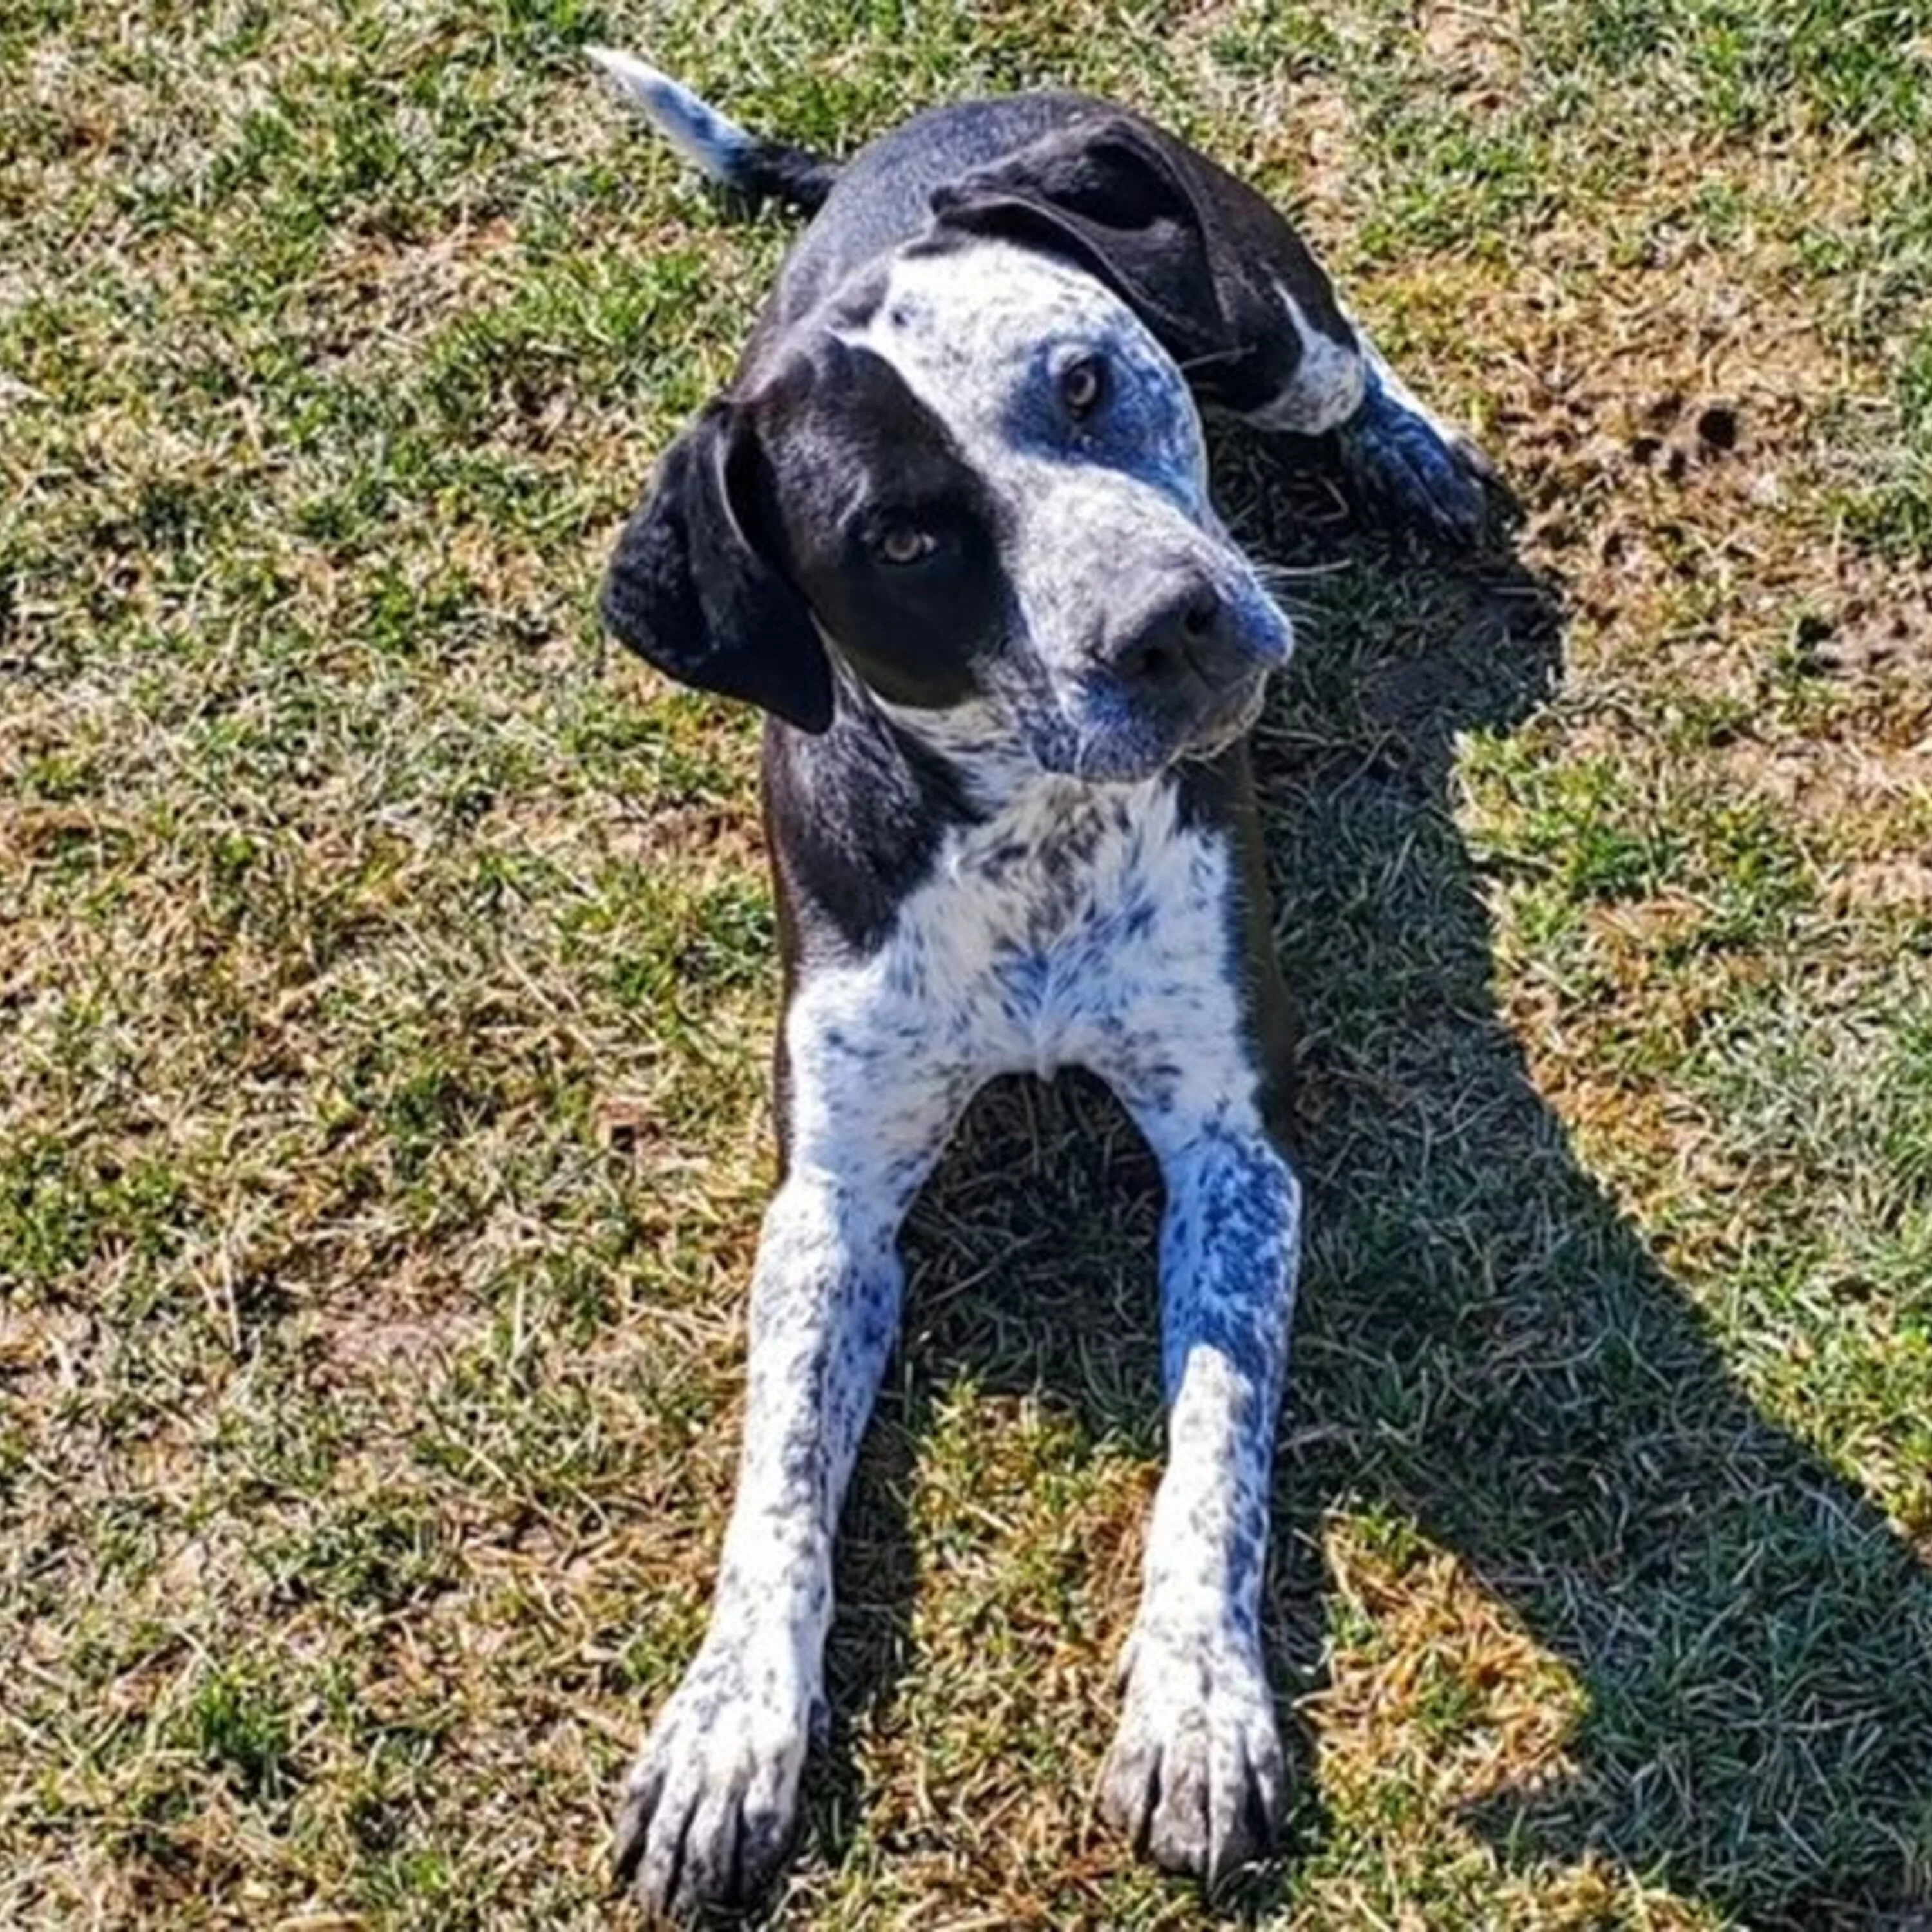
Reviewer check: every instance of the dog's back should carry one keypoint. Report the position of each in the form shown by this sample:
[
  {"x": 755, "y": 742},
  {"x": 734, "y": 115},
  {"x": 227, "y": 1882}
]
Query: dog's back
[{"x": 883, "y": 196}]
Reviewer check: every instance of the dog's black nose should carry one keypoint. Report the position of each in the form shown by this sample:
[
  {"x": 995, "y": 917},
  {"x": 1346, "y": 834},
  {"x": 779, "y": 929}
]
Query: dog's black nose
[{"x": 1187, "y": 644}]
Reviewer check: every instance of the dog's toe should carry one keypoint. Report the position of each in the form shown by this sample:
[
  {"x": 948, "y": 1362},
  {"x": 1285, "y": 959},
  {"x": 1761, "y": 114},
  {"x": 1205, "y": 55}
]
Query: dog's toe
[
  {"x": 1130, "y": 1784},
  {"x": 1195, "y": 1777},
  {"x": 633, "y": 1820},
  {"x": 709, "y": 1805}
]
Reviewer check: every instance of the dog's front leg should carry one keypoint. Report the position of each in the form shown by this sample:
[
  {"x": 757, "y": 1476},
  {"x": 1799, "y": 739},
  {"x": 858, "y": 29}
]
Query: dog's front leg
[
  {"x": 1195, "y": 1776},
  {"x": 710, "y": 1802}
]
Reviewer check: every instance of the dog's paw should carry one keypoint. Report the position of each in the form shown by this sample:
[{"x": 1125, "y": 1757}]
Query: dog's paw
[
  {"x": 709, "y": 1805},
  {"x": 1195, "y": 1777},
  {"x": 1416, "y": 471}
]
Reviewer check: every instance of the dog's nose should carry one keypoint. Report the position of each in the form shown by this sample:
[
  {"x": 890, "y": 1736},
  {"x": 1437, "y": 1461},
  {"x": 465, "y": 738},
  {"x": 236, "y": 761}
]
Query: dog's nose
[{"x": 1188, "y": 644}]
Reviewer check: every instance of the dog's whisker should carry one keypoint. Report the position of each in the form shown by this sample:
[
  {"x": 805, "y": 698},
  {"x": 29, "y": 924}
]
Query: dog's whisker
[{"x": 1296, "y": 573}]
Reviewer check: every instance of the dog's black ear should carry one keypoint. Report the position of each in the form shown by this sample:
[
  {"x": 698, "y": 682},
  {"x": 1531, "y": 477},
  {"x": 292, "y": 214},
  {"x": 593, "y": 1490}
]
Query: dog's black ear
[
  {"x": 1201, "y": 257},
  {"x": 692, "y": 589}
]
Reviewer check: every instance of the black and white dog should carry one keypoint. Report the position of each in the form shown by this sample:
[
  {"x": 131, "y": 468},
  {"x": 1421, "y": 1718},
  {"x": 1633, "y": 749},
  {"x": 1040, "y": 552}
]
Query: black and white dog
[{"x": 950, "y": 528}]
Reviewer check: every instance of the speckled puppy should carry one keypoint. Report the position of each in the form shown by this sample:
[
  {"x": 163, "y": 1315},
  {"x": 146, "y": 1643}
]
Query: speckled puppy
[{"x": 950, "y": 528}]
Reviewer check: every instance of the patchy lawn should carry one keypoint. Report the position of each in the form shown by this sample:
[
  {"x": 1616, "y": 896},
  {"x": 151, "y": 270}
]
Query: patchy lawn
[{"x": 386, "y": 972}]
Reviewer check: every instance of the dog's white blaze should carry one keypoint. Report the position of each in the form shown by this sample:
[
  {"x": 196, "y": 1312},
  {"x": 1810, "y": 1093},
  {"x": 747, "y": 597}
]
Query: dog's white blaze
[
  {"x": 969, "y": 334},
  {"x": 1327, "y": 386},
  {"x": 965, "y": 332}
]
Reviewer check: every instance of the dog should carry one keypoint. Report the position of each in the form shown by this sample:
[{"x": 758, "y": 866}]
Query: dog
[{"x": 949, "y": 528}]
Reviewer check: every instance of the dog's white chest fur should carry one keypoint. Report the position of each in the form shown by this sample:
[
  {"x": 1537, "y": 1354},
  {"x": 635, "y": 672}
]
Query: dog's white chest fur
[{"x": 1079, "y": 925}]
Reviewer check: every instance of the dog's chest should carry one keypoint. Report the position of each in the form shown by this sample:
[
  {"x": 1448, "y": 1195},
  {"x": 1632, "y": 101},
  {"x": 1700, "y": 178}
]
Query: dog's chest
[
  {"x": 1077, "y": 927},
  {"x": 1047, "y": 932}
]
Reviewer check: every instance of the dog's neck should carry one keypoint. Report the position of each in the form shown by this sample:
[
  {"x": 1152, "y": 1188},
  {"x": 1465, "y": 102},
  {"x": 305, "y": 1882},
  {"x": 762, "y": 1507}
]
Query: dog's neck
[
  {"x": 998, "y": 774},
  {"x": 994, "y": 768}
]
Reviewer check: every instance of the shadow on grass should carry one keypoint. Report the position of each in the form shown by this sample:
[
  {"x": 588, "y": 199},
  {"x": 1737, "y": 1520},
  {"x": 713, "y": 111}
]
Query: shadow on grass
[
  {"x": 1488, "y": 1345},
  {"x": 1485, "y": 1344}
]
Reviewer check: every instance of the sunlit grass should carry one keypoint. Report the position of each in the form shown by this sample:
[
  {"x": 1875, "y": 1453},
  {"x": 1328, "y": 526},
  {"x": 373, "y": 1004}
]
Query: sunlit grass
[{"x": 386, "y": 972}]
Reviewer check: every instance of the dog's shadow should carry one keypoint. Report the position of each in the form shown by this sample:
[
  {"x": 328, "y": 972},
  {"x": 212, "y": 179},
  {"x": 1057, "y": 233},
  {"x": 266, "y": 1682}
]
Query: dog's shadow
[{"x": 1486, "y": 1350}]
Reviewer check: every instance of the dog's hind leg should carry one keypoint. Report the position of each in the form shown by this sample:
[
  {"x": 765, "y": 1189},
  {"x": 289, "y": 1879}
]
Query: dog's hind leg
[{"x": 1407, "y": 462}]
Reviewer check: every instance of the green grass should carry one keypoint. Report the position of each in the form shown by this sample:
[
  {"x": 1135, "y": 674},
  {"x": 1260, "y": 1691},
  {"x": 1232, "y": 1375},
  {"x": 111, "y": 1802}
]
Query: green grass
[{"x": 386, "y": 968}]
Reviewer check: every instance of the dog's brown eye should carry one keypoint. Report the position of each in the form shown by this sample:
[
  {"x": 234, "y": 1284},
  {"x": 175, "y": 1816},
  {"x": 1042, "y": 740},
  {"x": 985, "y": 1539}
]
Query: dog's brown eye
[
  {"x": 904, "y": 544},
  {"x": 1082, "y": 384}
]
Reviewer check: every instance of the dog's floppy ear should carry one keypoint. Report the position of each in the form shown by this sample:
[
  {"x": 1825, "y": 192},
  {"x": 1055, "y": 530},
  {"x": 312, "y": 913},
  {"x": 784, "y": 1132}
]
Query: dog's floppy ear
[
  {"x": 1201, "y": 257},
  {"x": 691, "y": 590}
]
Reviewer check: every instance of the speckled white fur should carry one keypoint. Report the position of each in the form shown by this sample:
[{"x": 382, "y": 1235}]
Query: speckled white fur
[
  {"x": 1077, "y": 925},
  {"x": 969, "y": 335}
]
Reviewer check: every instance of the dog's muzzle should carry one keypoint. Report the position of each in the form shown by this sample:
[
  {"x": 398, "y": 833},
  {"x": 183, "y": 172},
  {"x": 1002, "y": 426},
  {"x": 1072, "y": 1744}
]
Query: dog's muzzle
[{"x": 1184, "y": 672}]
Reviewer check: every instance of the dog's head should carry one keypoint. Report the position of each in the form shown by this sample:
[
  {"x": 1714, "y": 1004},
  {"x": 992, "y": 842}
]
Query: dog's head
[{"x": 974, "y": 482}]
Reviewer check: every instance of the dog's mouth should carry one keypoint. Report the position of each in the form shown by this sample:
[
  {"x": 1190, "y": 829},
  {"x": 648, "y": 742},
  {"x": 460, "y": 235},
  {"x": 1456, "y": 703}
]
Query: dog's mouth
[
  {"x": 1104, "y": 740},
  {"x": 1231, "y": 718}
]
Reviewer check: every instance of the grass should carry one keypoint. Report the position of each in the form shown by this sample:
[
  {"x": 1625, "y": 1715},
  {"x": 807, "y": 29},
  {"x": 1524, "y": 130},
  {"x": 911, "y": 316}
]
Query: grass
[{"x": 385, "y": 972}]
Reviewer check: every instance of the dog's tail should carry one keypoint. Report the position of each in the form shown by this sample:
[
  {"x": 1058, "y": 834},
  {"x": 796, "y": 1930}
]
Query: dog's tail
[{"x": 715, "y": 145}]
